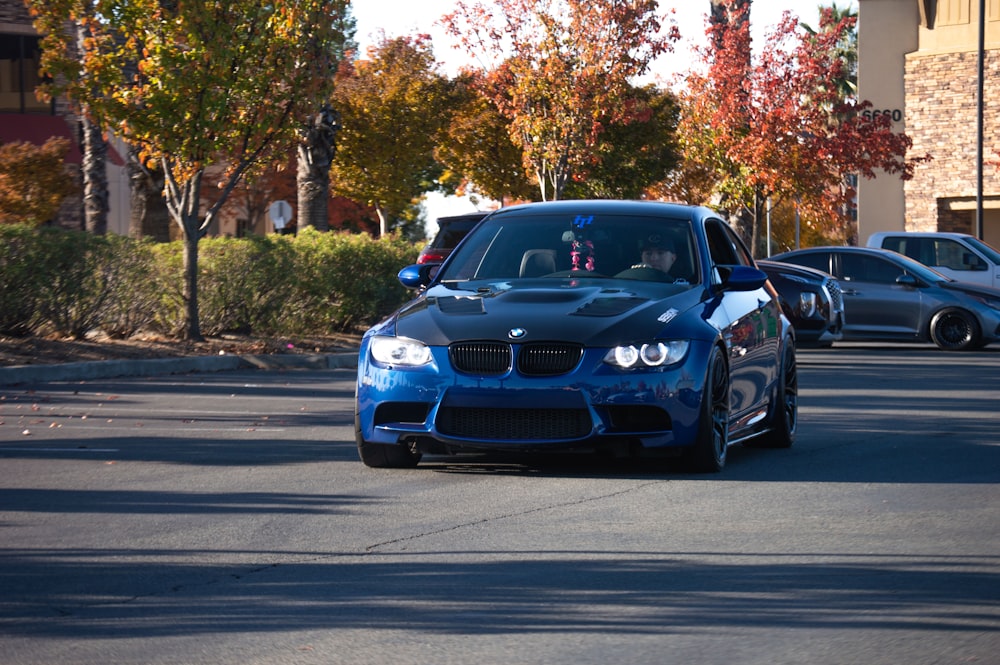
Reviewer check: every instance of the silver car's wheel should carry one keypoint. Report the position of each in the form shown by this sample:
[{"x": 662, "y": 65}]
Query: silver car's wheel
[
  {"x": 955, "y": 330},
  {"x": 708, "y": 454}
]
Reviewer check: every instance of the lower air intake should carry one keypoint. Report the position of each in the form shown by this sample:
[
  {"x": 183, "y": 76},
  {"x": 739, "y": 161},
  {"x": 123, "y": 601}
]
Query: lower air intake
[{"x": 488, "y": 424}]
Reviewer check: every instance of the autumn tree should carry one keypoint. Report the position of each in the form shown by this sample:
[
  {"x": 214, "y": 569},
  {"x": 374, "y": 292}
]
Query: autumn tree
[
  {"x": 192, "y": 84},
  {"x": 393, "y": 109},
  {"x": 560, "y": 70},
  {"x": 33, "y": 181},
  {"x": 778, "y": 129},
  {"x": 635, "y": 152},
  {"x": 477, "y": 146}
]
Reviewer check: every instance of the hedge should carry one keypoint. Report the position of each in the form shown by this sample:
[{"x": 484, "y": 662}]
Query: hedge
[{"x": 73, "y": 283}]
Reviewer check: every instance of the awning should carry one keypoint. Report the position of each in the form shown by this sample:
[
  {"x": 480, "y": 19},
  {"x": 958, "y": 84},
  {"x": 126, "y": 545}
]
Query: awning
[{"x": 39, "y": 128}]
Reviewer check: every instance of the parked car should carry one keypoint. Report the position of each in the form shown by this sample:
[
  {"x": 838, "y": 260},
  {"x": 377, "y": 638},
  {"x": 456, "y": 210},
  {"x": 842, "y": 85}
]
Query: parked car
[
  {"x": 450, "y": 231},
  {"x": 545, "y": 330},
  {"x": 888, "y": 296},
  {"x": 812, "y": 301},
  {"x": 956, "y": 255}
]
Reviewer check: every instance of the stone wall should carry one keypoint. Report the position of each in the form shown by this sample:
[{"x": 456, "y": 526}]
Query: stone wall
[{"x": 941, "y": 91}]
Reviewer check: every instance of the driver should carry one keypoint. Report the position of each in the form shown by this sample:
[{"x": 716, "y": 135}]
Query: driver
[{"x": 658, "y": 252}]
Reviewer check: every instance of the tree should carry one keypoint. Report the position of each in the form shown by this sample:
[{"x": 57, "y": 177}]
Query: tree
[
  {"x": 392, "y": 112},
  {"x": 788, "y": 134},
  {"x": 33, "y": 181},
  {"x": 317, "y": 139},
  {"x": 191, "y": 84},
  {"x": 560, "y": 71},
  {"x": 477, "y": 144},
  {"x": 95, "y": 163},
  {"x": 634, "y": 153}
]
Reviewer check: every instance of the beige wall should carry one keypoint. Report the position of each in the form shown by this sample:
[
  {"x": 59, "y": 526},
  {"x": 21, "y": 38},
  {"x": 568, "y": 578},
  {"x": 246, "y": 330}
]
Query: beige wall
[
  {"x": 921, "y": 57},
  {"x": 886, "y": 33}
]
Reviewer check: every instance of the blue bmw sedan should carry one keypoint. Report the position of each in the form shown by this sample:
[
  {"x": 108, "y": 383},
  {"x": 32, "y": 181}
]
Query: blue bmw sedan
[{"x": 635, "y": 328}]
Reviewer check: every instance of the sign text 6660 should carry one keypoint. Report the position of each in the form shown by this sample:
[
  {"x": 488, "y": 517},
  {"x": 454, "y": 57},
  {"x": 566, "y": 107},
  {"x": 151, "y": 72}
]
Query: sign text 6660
[{"x": 895, "y": 114}]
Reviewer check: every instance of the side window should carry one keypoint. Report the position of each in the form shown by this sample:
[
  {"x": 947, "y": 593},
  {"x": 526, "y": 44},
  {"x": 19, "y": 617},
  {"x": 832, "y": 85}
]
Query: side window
[
  {"x": 956, "y": 256},
  {"x": 817, "y": 260},
  {"x": 858, "y": 268},
  {"x": 722, "y": 244}
]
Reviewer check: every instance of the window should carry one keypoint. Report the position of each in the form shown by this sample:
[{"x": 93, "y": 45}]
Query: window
[
  {"x": 858, "y": 268},
  {"x": 19, "y": 58}
]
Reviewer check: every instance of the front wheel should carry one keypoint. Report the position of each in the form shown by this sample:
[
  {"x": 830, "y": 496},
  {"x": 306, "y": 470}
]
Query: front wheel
[
  {"x": 382, "y": 455},
  {"x": 955, "y": 330},
  {"x": 708, "y": 454}
]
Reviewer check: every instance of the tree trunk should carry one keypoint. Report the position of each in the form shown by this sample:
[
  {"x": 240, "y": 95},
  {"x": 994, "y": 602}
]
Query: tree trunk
[
  {"x": 315, "y": 155},
  {"x": 95, "y": 178},
  {"x": 193, "y": 331},
  {"x": 148, "y": 213}
]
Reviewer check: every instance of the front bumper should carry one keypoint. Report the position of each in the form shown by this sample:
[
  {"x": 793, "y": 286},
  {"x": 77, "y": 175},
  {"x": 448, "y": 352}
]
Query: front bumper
[{"x": 594, "y": 405}]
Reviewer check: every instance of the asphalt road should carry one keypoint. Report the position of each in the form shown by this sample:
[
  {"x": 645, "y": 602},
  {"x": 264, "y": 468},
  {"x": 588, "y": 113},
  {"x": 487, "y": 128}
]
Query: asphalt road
[{"x": 224, "y": 518}]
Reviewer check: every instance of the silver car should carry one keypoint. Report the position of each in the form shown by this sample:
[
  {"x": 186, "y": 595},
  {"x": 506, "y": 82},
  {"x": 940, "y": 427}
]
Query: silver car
[{"x": 891, "y": 297}]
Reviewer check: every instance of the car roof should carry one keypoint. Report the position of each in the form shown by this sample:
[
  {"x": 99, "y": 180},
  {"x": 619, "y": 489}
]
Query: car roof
[
  {"x": 467, "y": 217},
  {"x": 616, "y": 206},
  {"x": 917, "y": 234}
]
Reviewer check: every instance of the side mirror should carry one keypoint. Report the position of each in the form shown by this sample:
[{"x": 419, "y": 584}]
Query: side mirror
[
  {"x": 909, "y": 281},
  {"x": 418, "y": 275},
  {"x": 741, "y": 278},
  {"x": 973, "y": 262}
]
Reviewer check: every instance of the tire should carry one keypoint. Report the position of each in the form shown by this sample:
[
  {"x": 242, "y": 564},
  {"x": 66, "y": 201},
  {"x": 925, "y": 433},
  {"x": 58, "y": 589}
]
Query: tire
[
  {"x": 382, "y": 455},
  {"x": 784, "y": 418},
  {"x": 708, "y": 454},
  {"x": 955, "y": 330}
]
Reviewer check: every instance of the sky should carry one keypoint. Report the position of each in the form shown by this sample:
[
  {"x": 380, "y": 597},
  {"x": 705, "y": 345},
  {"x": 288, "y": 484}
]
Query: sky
[{"x": 407, "y": 17}]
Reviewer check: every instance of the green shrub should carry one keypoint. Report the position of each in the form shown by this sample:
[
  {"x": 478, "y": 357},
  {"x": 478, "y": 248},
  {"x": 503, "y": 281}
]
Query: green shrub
[
  {"x": 72, "y": 297},
  {"x": 21, "y": 278},
  {"x": 133, "y": 294},
  {"x": 345, "y": 281},
  {"x": 243, "y": 283},
  {"x": 72, "y": 283}
]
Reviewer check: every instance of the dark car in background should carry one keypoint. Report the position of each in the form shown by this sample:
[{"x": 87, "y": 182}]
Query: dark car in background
[
  {"x": 546, "y": 330},
  {"x": 450, "y": 231},
  {"x": 891, "y": 297},
  {"x": 812, "y": 302}
]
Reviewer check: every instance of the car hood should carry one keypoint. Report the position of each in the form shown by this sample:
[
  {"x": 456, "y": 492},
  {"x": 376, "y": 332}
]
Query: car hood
[
  {"x": 592, "y": 313},
  {"x": 971, "y": 289}
]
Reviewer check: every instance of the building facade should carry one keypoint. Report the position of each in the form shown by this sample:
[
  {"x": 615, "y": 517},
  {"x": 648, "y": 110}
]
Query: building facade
[{"x": 918, "y": 62}]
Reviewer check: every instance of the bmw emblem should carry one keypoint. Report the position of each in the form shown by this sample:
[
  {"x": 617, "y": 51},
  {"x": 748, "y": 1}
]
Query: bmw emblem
[{"x": 517, "y": 333}]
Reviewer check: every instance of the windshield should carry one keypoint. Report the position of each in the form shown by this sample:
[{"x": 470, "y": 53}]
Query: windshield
[
  {"x": 993, "y": 254},
  {"x": 578, "y": 246}
]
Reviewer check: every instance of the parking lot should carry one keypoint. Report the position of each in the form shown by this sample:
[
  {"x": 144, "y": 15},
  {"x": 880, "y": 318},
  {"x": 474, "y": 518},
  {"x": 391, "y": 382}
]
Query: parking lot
[{"x": 225, "y": 518}]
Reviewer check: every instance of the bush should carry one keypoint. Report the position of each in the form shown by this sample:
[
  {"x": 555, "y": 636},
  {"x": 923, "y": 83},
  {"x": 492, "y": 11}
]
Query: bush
[
  {"x": 73, "y": 294},
  {"x": 21, "y": 278},
  {"x": 133, "y": 294},
  {"x": 72, "y": 283},
  {"x": 344, "y": 281}
]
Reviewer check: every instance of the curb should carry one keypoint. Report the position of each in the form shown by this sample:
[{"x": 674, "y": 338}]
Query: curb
[{"x": 106, "y": 369}]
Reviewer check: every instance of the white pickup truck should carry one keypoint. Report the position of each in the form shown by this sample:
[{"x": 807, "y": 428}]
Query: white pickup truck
[{"x": 957, "y": 255}]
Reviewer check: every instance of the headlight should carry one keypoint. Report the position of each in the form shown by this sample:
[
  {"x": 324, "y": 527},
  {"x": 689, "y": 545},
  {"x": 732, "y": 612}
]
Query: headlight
[
  {"x": 807, "y": 304},
  {"x": 653, "y": 354},
  {"x": 400, "y": 351}
]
